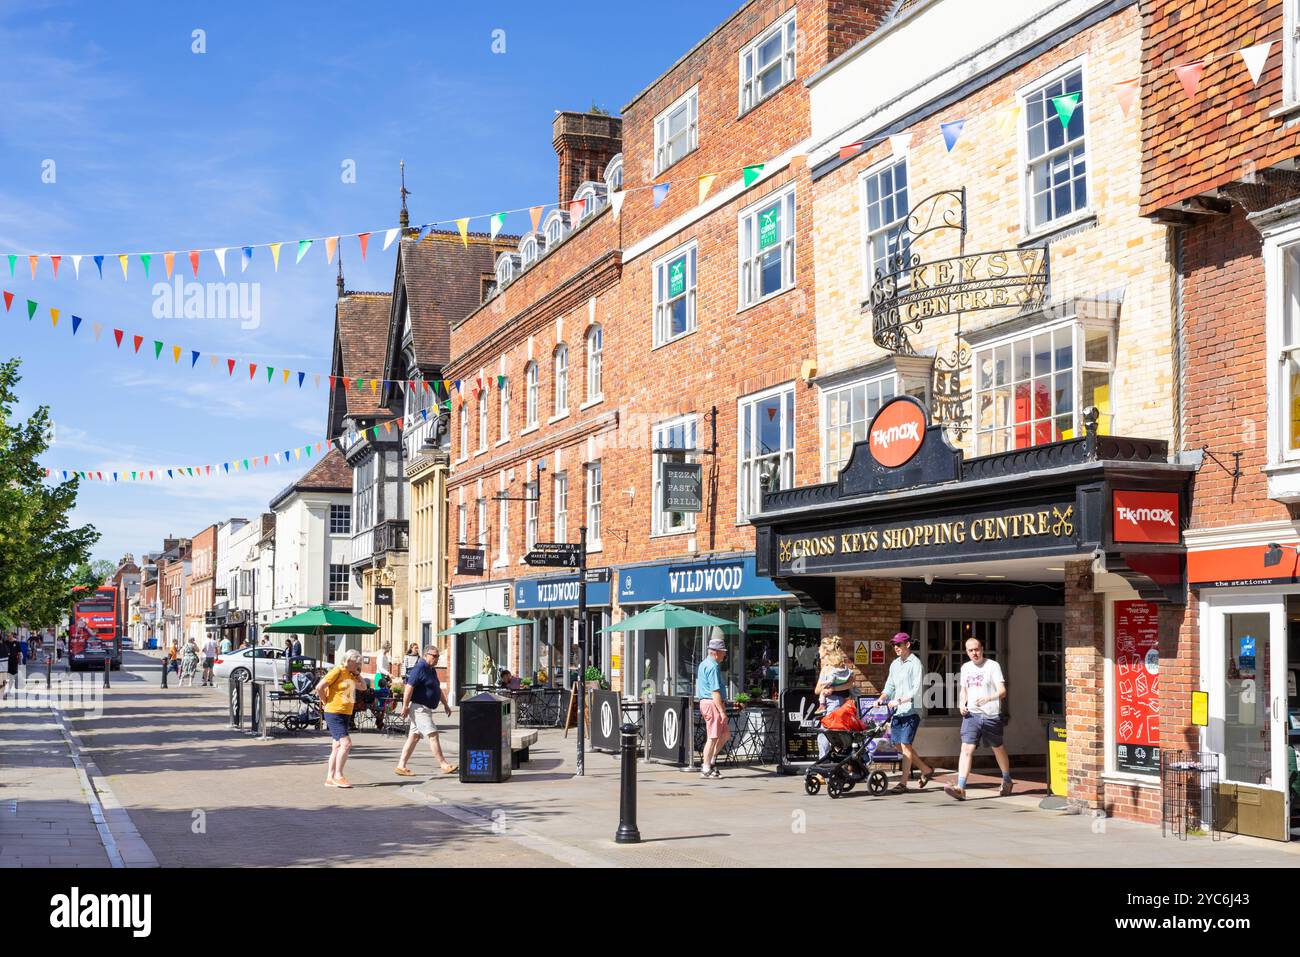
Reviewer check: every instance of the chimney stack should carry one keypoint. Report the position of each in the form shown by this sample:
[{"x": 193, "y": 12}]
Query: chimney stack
[{"x": 584, "y": 144}]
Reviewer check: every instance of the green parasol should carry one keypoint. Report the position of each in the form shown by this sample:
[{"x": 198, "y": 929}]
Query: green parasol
[
  {"x": 665, "y": 615},
  {"x": 321, "y": 619},
  {"x": 484, "y": 621}
]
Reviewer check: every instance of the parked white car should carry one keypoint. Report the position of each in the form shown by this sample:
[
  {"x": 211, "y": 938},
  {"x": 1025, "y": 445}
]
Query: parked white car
[{"x": 238, "y": 665}]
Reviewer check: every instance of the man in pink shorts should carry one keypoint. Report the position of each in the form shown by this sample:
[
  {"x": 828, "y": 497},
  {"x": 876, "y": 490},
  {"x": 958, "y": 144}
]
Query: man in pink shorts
[{"x": 708, "y": 689}]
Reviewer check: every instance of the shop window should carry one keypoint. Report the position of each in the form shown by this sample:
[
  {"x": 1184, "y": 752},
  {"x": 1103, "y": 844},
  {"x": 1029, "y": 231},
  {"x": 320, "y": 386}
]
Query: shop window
[
  {"x": 847, "y": 411},
  {"x": 884, "y": 202},
  {"x": 675, "y": 434},
  {"x": 1247, "y": 692},
  {"x": 803, "y": 640},
  {"x": 1026, "y": 387},
  {"x": 945, "y": 653},
  {"x": 766, "y": 446},
  {"x": 677, "y": 130},
  {"x": 1056, "y": 180},
  {"x": 1051, "y": 668},
  {"x": 768, "y": 63},
  {"x": 674, "y": 292},
  {"x": 767, "y": 248}
]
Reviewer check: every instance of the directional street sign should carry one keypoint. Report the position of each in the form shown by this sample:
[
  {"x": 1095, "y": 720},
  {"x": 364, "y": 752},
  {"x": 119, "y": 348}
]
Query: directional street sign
[{"x": 555, "y": 555}]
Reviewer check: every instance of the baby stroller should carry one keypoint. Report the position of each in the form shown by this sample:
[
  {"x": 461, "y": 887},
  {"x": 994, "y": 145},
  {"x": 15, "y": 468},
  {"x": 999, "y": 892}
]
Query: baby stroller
[
  {"x": 310, "y": 711},
  {"x": 855, "y": 740}
]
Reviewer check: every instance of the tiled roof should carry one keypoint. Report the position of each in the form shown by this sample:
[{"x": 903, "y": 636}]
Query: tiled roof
[
  {"x": 443, "y": 279},
  {"x": 1193, "y": 145},
  {"x": 362, "y": 330},
  {"x": 329, "y": 474}
]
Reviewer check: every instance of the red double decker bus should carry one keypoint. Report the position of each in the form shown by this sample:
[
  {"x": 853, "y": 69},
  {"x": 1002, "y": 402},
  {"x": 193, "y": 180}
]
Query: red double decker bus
[{"x": 92, "y": 629}]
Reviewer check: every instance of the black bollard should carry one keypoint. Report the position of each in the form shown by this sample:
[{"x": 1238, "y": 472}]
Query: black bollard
[
  {"x": 48, "y": 666},
  {"x": 108, "y": 666},
  {"x": 166, "y": 664},
  {"x": 627, "y": 830}
]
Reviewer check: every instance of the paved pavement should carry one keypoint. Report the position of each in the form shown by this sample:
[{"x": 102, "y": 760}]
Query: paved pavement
[{"x": 201, "y": 794}]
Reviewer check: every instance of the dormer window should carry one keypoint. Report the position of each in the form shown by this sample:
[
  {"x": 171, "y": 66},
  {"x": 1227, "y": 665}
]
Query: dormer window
[
  {"x": 614, "y": 174},
  {"x": 529, "y": 249},
  {"x": 592, "y": 196},
  {"x": 505, "y": 270},
  {"x": 555, "y": 227}
]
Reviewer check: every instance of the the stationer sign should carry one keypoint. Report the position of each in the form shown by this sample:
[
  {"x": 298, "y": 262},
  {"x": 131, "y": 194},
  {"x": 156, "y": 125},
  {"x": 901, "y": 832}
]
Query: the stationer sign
[{"x": 1044, "y": 528}]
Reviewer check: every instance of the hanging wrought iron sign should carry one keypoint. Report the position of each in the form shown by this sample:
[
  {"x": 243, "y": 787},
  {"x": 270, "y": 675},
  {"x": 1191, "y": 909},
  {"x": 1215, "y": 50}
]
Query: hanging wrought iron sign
[{"x": 908, "y": 291}]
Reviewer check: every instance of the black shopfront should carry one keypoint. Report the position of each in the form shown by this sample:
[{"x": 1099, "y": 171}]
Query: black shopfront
[{"x": 913, "y": 535}]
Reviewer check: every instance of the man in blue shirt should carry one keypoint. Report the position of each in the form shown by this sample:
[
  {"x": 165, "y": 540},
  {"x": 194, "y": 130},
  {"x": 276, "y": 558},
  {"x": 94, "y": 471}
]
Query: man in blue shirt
[
  {"x": 900, "y": 692},
  {"x": 422, "y": 695},
  {"x": 708, "y": 691}
]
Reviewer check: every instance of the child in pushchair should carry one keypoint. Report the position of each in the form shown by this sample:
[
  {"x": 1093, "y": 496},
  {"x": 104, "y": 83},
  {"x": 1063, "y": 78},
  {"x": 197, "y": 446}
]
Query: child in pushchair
[
  {"x": 310, "y": 714},
  {"x": 860, "y": 750}
]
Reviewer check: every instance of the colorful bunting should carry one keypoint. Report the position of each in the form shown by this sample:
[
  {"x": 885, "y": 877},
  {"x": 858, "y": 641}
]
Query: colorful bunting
[
  {"x": 706, "y": 184},
  {"x": 1254, "y": 58},
  {"x": 497, "y": 222},
  {"x": 331, "y": 244},
  {"x": 275, "y": 255},
  {"x": 750, "y": 174},
  {"x": 660, "y": 193},
  {"x": 169, "y": 262},
  {"x": 389, "y": 236},
  {"x": 303, "y": 246},
  {"x": 1126, "y": 92},
  {"x": 144, "y": 261},
  {"x": 363, "y": 239},
  {"x": 76, "y": 324},
  {"x": 534, "y": 213},
  {"x": 221, "y": 258},
  {"x": 952, "y": 132},
  {"x": 1189, "y": 74},
  {"x": 900, "y": 143},
  {"x": 462, "y": 227},
  {"x": 1065, "y": 107},
  {"x": 616, "y": 201}
]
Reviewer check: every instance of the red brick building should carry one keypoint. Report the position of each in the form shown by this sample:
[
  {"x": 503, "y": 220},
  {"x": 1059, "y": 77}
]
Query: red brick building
[
  {"x": 1219, "y": 167},
  {"x": 635, "y": 329}
]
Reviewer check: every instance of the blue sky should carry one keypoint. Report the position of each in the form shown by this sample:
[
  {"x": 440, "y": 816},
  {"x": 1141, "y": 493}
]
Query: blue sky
[{"x": 156, "y": 147}]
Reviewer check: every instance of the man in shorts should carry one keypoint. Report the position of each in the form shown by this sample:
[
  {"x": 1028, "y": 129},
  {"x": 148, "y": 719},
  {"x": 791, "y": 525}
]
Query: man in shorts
[
  {"x": 422, "y": 696},
  {"x": 901, "y": 690},
  {"x": 209, "y": 655},
  {"x": 983, "y": 690},
  {"x": 708, "y": 691}
]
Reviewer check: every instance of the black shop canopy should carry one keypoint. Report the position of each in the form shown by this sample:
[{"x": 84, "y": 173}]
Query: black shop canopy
[{"x": 909, "y": 505}]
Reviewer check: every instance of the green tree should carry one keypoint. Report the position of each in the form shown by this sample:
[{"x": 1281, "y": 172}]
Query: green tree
[{"x": 41, "y": 551}]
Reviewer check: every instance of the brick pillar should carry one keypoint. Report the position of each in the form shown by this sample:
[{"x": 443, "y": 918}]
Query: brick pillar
[
  {"x": 1085, "y": 660},
  {"x": 1180, "y": 669},
  {"x": 856, "y": 619}
]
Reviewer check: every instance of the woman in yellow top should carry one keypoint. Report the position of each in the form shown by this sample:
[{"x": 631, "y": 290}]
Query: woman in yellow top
[{"x": 338, "y": 690}]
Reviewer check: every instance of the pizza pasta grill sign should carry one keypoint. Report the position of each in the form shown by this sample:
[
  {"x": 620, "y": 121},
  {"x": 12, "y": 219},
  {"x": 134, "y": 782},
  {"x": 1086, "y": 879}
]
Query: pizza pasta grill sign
[{"x": 897, "y": 432}]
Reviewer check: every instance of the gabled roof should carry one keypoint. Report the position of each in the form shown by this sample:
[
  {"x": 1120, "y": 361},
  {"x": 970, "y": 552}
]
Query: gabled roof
[
  {"x": 441, "y": 279},
  {"x": 329, "y": 474},
  {"x": 360, "y": 333}
]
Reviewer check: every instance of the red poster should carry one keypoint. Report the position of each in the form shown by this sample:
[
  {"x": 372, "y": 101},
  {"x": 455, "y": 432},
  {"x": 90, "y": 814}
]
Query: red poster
[{"x": 1137, "y": 686}]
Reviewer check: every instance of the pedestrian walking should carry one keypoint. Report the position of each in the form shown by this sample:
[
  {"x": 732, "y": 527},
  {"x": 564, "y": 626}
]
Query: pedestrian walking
[
  {"x": 423, "y": 695},
  {"x": 226, "y": 646},
  {"x": 713, "y": 709},
  {"x": 383, "y": 662},
  {"x": 983, "y": 690},
  {"x": 297, "y": 647},
  {"x": 9, "y": 653},
  {"x": 901, "y": 690},
  {"x": 338, "y": 690},
  {"x": 189, "y": 661},
  {"x": 209, "y": 658}
]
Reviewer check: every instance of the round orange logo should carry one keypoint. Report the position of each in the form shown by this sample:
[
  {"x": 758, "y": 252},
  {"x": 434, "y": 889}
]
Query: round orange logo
[{"x": 897, "y": 432}]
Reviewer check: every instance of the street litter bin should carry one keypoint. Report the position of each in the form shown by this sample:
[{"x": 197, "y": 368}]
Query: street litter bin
[
  {"x": 485, "y": 738},
  {"x": 152, "y": 644}
]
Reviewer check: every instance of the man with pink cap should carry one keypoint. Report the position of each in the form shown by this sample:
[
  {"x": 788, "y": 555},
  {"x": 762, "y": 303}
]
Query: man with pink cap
[{"x": 901, "y": 691}]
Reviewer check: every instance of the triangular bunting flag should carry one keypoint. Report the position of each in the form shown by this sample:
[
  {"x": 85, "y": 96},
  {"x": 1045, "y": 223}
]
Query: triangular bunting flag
[
  {"x": 900, "y": 143},
  {"x": 1065, "y": 107},
  {"x": 230, "y": 367},
  {"x": 138, "y": 341},
  {"x": 76, "y": 267},
  {"x": 270, "y": 371},
  {"x": 363, "y": 239},
  {"x": 301, "y": 376},
  {"x": 176, "y": 354},
  {"x": 212, "y": 361},
  {"x": 462, "y": 227},
  {"x": 331, "y": 244},
  {"x": 1189, "y": 74},
  {"x": 952, "y": 132},
  {"x": 424, "y": 231},
  {"x": 117, "y": 334},
  {"x": 144, "y": 261},
  {"x": 32, "y": 261},
  {"x": 1126, "y": 92},
  {"x": 275, "y": 255},
  {"x": 9, "y": 299},
  {"x": 122, "y": 260},
  {"x": 389, "y": 237},
  {"x": 157, "y": 348},
  {"x": 576, "y": 209},
  {"x": 851, "y": 150},
  {"x": 252, "y": 369},
  {"x": 751, "y": 173},
  {"x": 660, "y": 193},
  {"x": 221, "y": 258},
  {"x": 616, "y": 201},
  {"x": 169, "y": 263},
  {"x": 99, "y": 264},
  {"x": 303, "y": 246},
  {"x": 12, "y": 259},
  {"x": 534, "y": 213},
  {"x": 245, "y": 258},
  {"x": 1254, "y": 58},
  {"x": 498, "y": 220},
  {"x": 54, "y": 318},
  {"x": 98, "y": 329},
  {"x": 54, "y": 262},
  {"x": 76, "y": 324},
  {"x": 706, "y": 184},
  {"x": 31, "y": 309},
  {"x": 1008, "y": 119},
  {"x": 286, "y": 376},
  {"x": 194, "y": 358}
]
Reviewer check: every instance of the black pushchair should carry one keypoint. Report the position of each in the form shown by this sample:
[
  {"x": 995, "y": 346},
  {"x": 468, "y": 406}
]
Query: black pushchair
[
  {"x": 310, "y": 712},
  {"x": 854, "y": 756}
]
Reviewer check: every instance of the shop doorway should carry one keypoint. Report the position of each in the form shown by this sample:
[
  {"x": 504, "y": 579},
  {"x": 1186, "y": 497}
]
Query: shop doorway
[{"x": 1250, "y": 708}]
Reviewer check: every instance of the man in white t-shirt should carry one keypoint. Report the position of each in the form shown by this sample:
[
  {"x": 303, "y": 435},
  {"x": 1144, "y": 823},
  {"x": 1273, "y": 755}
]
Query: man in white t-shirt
[
  {"x": 983, "y": 689},
  {"x": 209, "y": 655}
]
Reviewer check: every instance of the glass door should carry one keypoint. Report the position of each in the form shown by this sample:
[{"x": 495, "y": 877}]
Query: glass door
[{"x": 1246, "y": 680}]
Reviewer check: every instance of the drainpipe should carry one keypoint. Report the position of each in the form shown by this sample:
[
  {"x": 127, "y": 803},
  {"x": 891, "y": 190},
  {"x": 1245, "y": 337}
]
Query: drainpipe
[{"x": 1180, "y": 342}]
